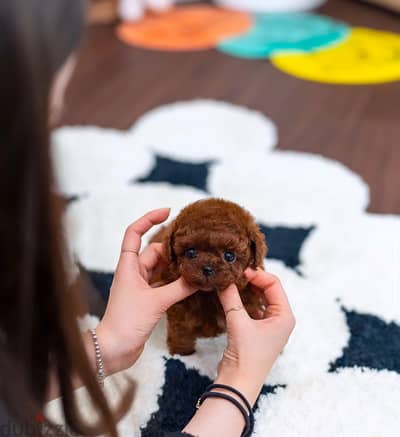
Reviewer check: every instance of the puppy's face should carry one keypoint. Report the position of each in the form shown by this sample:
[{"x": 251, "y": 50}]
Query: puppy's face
[{"x": 212, "y": 242}]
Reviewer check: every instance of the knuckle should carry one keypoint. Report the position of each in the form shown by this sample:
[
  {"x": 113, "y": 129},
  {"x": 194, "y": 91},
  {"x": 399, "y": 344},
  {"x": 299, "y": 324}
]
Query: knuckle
[
  {"x": 131, "y": 231},
  {"x": 131, "y": 228},
  {"x": 128, "y": 230},
  {"x": 274, "y": 277},
  {"x": 286, "y": 322},
  {"x": 291, "y": 321},
  {"x": 276, "y": 280}
]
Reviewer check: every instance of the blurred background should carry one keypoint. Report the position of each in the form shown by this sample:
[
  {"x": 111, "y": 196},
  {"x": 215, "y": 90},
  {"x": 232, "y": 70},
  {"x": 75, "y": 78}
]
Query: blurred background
[{"x": 354, "y": 124}]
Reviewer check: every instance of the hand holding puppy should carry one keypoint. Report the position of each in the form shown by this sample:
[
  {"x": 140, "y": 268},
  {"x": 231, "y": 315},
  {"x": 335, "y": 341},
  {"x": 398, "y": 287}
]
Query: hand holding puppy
[
  {"x": 134, "y": 307},
  {"x": 254, "y": 345}
]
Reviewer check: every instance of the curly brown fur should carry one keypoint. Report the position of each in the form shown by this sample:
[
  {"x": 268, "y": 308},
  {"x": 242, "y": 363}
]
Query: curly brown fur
[{"x": 209, "y": 244}]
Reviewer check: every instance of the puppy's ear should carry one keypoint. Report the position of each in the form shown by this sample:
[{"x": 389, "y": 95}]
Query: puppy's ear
[
  {"x": 168, "y": 243},
  {"x": 258, "y": 246}
]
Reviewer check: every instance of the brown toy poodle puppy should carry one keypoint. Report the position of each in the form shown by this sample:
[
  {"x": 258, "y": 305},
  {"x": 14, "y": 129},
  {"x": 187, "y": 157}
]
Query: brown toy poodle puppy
[{"x": 209, "y": 244}]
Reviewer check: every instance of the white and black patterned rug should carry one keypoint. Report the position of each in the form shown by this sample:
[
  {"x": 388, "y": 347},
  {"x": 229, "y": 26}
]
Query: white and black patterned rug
[{"x": 339, "y": 376}]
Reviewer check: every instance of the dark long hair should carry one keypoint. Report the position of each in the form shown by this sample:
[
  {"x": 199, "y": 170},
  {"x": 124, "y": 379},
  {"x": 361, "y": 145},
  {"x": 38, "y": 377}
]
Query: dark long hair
[{"x": 38, "y": 329}]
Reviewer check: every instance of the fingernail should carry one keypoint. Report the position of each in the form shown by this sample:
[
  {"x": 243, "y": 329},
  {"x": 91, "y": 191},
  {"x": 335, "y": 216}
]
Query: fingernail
[
  {"x": 227, "y": 288},
  {"x": 249, "y": 271}
]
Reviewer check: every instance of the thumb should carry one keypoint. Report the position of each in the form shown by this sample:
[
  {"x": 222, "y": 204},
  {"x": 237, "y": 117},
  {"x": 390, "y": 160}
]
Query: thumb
[
  {"x": 174, "y": 292},
  {"x": 232, "y": 303}
]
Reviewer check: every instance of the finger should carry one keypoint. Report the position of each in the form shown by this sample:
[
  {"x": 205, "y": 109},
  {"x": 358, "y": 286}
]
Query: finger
[
  {"x": 151, "y": 256},
  {"x": 133, "y": 235},
  {"x": 174, "y": 292},
  {"x": 270, "y": 285},
  {"x": 232, "y": 303},
  {"x": 128, "y": 264}
]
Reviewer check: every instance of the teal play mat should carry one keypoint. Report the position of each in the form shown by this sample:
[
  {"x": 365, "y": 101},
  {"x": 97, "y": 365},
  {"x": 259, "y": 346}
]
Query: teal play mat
[{"x": 278, "y": 32}]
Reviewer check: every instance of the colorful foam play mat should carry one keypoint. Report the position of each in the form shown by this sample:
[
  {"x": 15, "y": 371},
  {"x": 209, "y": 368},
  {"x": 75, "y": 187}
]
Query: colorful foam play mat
[
  {"x": 339, "y": 375},
  {"x": 305, "y": 45},
  {"x": 282, "y": 32},
  {"x": 192, "y": 27},
  {"x": 366, "y": 56}
]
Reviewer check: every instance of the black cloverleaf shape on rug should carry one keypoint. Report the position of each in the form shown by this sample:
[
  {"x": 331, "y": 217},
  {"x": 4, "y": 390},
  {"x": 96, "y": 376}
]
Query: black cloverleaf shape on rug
[
  {"x": 373, "y": 343},
  {"x": 285, "y": 243},
  {"x": 178, "y": 173},
  {"x": 180, "y": 392},
  {"x": 102, "y": 282}
]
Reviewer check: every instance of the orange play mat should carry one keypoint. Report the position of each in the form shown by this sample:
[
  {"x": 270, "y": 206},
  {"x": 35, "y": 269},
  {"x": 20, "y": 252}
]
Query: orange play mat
[{"x": 184, "y": 28}]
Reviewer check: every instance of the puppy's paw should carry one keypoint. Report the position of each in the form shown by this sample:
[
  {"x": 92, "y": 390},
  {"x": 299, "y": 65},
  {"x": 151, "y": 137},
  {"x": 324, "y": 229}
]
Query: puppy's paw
[{"x": 257, "y": 312}]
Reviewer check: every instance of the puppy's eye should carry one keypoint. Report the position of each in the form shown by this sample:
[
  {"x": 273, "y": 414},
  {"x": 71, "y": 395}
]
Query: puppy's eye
[
  {"x": 191, "y": 253},
  {"x": 229, "y": 256}
]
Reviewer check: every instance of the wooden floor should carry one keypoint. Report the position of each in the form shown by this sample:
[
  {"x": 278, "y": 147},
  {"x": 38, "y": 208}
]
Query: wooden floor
[{"x": 357, "y": 125}]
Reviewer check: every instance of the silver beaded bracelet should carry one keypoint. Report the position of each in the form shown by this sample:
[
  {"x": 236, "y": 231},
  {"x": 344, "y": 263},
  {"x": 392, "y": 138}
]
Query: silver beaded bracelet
[{"x": 101, "y": 376}]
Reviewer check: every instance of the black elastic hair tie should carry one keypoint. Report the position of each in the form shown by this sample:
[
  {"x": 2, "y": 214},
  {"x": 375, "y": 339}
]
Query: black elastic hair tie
[
  {"x": 233, "y": 390},
  {"x": 248, "y": 417},
  {"x": 241, "y": 396}
]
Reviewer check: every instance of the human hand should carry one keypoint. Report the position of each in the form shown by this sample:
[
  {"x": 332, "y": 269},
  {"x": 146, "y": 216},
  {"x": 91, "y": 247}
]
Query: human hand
[
  {"x": 254, "y": 345},
  {"x": 134, "y": 307}
]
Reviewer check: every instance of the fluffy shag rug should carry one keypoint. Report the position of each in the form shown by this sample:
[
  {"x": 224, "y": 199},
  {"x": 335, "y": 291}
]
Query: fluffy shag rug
[{"x": 340, "y": 373}]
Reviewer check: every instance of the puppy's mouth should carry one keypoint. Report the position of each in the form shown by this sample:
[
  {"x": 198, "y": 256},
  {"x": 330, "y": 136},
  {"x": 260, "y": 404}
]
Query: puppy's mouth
[
  {"x": 204, "y": 286},
  {"x": 208, "y": 290}
]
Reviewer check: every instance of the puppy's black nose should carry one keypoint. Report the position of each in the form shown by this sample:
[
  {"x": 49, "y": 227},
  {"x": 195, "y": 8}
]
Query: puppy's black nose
[{"x": 208, "y": 270}]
